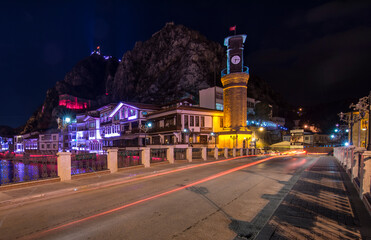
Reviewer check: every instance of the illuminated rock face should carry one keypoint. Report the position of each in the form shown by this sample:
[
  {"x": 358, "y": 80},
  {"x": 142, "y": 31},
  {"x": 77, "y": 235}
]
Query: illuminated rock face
[{"x": 235, "y": 99}]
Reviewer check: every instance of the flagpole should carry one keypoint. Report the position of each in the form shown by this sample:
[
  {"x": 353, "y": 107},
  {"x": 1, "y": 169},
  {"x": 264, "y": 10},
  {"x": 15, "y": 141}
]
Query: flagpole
[{"x": 235, "y": 27}]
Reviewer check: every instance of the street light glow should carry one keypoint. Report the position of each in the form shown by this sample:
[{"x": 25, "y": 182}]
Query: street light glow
[
  {"x": 67, "y": 120},
  {"x": 261, "y": 129}
]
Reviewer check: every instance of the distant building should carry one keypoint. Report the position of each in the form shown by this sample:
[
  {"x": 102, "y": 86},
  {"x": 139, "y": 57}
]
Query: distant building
[
  {"x": 301, "y": 139},
  {"x": 184, "y": 125},
  {"x": 49, "y": 141},
  {"x": 286, "y": 138},
  {"x": 75, "y": 103},
  {"x": 212, "y": 98},
  {"x": 6, "y": 144},
  {"x": 279, "y": 120}
]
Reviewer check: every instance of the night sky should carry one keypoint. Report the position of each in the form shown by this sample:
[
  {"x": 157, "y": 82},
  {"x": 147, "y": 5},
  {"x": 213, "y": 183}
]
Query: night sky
[{"x": 308, "y": 51}]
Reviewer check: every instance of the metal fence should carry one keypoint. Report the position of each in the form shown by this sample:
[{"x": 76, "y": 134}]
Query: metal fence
[
  {"x": 158, "y": 155},
  {"x": 27, "y": 168},
  {"x": 221, "y": 153},
  {"x": 238, "y": 152},
  {"x": 230, "y": 152},
  {"x": 210, "y": 153},
  {"x": 128, "y": 158},
  {"x": 196, "y": 153},
  {"x": 87, "y": 163},
  {"x": 180, "y": 153}
]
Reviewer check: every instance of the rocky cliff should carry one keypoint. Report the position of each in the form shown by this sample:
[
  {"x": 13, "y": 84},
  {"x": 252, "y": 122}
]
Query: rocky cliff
[{"x": 175, "y": 62}]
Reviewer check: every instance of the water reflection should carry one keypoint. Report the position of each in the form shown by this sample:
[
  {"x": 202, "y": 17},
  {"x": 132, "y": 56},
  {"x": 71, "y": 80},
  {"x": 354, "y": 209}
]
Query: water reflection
[{"x": 13, "y": 171}]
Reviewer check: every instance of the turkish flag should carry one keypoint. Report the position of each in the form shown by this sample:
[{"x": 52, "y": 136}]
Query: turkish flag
[{"x": 232, "y": 28}]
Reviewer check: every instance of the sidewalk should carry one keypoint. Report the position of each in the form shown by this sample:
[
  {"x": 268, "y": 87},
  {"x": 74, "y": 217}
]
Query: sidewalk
[
  {"x": 323, "y": 204},
  {"x": 19, "y": 196}
]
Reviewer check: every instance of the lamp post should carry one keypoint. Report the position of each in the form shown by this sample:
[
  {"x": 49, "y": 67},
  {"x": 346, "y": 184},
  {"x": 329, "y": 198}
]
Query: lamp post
[
  {"x": 215, "y": 135},
  {"x": 62, "y": 125},
  {"x": 186, "y": 132},
  {"x": 145, "y": 128}
]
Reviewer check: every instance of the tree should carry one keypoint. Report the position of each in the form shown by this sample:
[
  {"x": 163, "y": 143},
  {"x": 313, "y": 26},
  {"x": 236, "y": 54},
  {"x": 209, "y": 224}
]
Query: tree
[{"x": 262, "y": 111}]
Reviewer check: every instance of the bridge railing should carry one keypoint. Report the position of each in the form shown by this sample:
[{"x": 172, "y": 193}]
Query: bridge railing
[{"x": 357, "y": 164}]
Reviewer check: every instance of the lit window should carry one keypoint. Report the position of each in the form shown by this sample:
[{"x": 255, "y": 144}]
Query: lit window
[{"x": 219, "y": 106}]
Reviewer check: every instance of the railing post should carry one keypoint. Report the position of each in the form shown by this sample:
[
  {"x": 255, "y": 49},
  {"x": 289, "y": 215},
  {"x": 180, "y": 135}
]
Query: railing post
[
  {"x": 241, "y": 151},
  {"x": 189, "y": 154},
  {"x": 170, "y": 154},
  {"x": 146, "y": 156},
  {"x": 226, "y": 152},
  {"x": 216, "y": 153},
  {"x": 204, "y": 153},
  {"x": 355, "y": 162},
  {"x": 234, "y": 152},
  {"x": 112, "y": 159},
  {"x": 365, "y": 177},
  {"x": 64, "y": 165}
]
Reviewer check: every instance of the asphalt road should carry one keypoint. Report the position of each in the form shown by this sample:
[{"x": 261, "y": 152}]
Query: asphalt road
[{"x": 227, "y": 200}]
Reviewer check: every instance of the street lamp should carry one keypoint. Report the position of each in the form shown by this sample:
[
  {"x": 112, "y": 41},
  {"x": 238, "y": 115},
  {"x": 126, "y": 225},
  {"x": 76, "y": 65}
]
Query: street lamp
[
  {"x": 215, "y": 135},
  {"x": 62, "y": 125},
  {"x": 145, "y": 128}
]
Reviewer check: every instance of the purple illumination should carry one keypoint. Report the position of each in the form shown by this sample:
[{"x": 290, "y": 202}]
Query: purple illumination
[
  {"x": 133, "y": 117},
  {"x": 116, "y": 109}
]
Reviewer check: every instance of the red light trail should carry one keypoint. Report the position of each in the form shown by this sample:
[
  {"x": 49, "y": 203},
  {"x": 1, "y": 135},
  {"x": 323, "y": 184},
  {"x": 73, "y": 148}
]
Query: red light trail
[
  {"x": 37, "y": 235},
  {"x": 164, "y": 173}
]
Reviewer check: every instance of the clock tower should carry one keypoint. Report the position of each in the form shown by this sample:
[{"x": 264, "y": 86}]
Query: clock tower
[
  {"x": 234, "y": 80},
  {"x": 234, "y": 46}
]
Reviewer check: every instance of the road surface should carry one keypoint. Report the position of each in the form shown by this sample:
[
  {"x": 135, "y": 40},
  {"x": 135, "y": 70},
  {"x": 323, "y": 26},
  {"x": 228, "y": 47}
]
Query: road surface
[{"x": 226, "y": 200}]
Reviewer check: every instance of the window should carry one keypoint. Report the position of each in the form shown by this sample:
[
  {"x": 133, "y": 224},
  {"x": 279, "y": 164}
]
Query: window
[
  {"x": 42, "y": 146},
  {"x": 48, "y": 146},
  {"x": 197, "y": 121},
  {"x": 202, "y": 121},
  {"x": 91, "y": 134},
  {"x": 219, "y": 106},
  {"x": 221, "y": 122},
  {"x": 191, "y": 121},
  {"x": 54, "y": 137},
  {"x": 54, "y": 146},
  {"x": 186, "y": 121}
]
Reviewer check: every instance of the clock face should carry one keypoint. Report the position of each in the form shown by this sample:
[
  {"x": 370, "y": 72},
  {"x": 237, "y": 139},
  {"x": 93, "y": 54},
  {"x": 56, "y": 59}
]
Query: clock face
[{"x": 236, "y": 59}]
